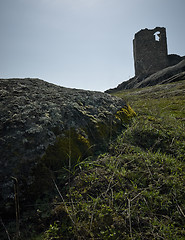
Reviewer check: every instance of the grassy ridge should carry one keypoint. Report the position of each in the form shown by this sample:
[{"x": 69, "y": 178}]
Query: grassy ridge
[{"x": 136, "y": 190}]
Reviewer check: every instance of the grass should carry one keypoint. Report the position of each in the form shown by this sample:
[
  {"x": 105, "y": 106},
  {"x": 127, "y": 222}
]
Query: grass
[{"x": 136, "y": 190}]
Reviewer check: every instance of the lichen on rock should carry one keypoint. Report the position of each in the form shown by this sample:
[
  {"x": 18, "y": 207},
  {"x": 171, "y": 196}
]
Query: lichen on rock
[{"x": 42, "y": 123}]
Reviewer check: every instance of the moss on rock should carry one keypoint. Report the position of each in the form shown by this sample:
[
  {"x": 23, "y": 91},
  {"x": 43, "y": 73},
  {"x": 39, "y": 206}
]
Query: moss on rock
[
  {"x": 71, "y": 146},
  {"x": 125, "y": 114}
]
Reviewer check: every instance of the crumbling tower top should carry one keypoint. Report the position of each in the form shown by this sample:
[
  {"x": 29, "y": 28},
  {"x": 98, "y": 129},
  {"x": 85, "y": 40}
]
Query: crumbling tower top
[{"x": 150, "y": 51}]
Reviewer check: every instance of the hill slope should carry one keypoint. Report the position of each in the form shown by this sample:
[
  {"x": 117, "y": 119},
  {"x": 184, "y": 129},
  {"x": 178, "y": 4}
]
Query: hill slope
[
  {"x": 136, "y": 190},
  {"x": 167, "y": 75}
]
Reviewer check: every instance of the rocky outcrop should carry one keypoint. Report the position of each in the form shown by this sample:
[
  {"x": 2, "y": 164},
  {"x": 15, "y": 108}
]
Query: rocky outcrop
[
  {"x": 166, "y": 75},
  {"x": 43, "y": 121}
]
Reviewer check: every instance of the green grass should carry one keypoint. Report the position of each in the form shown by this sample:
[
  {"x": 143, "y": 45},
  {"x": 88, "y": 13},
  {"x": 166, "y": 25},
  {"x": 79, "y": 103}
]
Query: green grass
[
  {"x": 157, "y": 100},
  {"x": 136, "y": 190}
]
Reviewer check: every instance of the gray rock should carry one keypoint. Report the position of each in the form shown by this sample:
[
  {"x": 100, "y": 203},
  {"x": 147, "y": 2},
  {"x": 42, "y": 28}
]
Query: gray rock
[
  {"x": 34, "y": 114},
  {"x": 167, "y": 75}
]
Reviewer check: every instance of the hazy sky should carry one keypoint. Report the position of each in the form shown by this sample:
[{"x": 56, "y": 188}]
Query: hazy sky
[{"x": 82, "y": 43}]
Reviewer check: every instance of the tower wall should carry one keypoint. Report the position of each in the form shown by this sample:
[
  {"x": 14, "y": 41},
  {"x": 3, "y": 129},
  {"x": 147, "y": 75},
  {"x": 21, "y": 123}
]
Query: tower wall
[{"x": 150, "y": 51}]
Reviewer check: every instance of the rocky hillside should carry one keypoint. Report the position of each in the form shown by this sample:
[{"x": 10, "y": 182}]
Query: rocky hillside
[
  {"x": 167, "y": 75},
  {"x": 42, "y": 122},
  {"x": 134, "y": 189}
]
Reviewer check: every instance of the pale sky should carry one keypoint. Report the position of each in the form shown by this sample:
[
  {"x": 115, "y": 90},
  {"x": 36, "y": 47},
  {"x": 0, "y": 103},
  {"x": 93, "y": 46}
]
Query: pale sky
[{"x": 84, "y": 44}]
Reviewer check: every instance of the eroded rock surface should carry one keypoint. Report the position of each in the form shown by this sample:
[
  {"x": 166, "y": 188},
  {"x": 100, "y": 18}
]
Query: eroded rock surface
[{"x": 34, "y": 114}]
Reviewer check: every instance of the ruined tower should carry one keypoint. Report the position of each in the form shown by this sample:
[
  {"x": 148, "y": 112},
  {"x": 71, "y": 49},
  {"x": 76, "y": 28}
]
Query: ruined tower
[{"x": 150, "y": 51}]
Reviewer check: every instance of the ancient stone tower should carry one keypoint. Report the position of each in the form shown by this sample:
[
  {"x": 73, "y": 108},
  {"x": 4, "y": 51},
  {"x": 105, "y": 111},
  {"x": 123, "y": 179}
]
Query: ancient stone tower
[{"x": 150, "y": 51}]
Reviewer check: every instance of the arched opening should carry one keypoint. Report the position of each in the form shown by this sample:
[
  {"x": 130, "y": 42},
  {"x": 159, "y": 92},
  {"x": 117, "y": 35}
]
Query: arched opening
[{"x": 157, "y": 36}]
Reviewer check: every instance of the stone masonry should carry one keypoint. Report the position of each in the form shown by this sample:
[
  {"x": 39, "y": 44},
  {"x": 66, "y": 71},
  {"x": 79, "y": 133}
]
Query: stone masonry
[{"x": 150, "y": 51}]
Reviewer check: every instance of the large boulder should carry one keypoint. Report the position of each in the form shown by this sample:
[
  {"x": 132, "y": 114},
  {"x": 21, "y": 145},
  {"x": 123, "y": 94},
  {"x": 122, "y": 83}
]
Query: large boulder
[{"x": 42, "y": 122}]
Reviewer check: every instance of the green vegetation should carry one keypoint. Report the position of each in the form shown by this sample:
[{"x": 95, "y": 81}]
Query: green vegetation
[
  {"x": 136, "y": 190},
  {"x": 125, "y": 114},
  {"x": 71, "y": 147}
]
